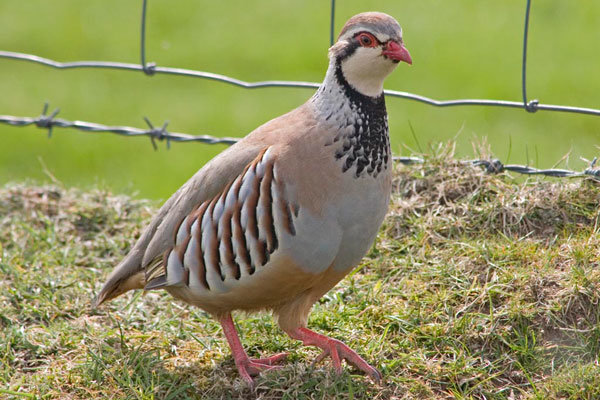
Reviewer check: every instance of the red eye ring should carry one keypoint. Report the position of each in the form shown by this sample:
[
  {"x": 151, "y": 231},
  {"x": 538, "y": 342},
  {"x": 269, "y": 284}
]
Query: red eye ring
[{"x": 365, "y": 39}]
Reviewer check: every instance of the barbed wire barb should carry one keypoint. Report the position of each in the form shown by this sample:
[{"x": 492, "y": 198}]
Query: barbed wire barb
[
  {"x": 160, "y": 133},
  {"x": 46, "y": 121}
]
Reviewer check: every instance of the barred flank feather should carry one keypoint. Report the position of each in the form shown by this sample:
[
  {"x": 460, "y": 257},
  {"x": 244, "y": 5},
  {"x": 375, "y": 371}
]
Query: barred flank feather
[{"x": 228, "y": 237}]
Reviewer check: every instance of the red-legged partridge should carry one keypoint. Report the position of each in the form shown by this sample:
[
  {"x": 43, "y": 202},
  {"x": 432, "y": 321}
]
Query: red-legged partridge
[{"x": 277, "y": 219}]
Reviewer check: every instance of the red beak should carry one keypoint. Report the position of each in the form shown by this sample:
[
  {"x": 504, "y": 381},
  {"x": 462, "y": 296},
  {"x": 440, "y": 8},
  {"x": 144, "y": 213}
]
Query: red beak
[{"x": 397, "y": 52}]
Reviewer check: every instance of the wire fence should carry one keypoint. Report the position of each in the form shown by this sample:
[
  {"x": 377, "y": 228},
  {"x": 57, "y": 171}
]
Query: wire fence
[{"x": 45, "y": 121}]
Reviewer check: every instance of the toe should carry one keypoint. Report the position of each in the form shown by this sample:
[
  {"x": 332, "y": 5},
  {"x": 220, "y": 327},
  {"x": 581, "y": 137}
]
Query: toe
[
  {"x": 320, "y": 357},
  {"x": 375, "y": 375},
  {"x": 273, "y": 360},
  {"x": 245, "y": 374}
]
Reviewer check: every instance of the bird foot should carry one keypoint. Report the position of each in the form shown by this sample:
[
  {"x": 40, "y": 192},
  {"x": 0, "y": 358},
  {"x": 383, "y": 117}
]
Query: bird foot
[
  {"x": 337, "y": 350},
  {"x": 246, "y": 366},
  {"x": 249, "y": 367}
]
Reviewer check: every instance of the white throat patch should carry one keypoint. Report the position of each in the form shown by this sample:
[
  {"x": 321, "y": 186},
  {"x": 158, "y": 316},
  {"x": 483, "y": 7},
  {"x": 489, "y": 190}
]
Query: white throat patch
[{"x": 366, "y": 69}]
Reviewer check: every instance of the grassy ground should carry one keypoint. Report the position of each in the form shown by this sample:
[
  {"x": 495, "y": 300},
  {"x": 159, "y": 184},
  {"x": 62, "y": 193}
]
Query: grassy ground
[
  {"x": 479, "y": 287},
  {"x": 460, "y": 48}
]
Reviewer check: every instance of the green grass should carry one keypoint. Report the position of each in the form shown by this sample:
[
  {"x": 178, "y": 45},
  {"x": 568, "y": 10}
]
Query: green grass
[
  {"x": 461, "y": 49},
  {"x": 478, "y": 287}
]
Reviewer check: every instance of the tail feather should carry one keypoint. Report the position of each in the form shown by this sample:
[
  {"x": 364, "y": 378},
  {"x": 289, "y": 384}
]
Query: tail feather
[
  {"x": 156, "y": 274},
  {"x": 157, "y": 283},
  {"x": 125, "y": 277}
]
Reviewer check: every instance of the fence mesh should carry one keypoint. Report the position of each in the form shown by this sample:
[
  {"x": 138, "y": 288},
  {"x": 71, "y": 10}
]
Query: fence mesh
[{"x": 49, "y": 121}]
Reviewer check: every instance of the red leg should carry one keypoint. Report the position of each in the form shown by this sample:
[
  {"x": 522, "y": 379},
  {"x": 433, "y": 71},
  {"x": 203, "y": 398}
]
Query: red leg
[
  {"x": 247, "y": 367},
  {"x": 337, "y": 350}
]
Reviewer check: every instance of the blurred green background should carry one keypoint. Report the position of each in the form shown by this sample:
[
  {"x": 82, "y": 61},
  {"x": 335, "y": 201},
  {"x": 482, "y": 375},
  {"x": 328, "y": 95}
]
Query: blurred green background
[{"x": 460, "y": 48}]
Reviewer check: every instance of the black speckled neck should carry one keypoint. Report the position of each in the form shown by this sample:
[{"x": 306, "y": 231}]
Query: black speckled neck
[{"x": 366, "y": 146}]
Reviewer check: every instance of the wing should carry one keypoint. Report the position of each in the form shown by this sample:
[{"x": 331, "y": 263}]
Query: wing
[
  {"x": 157, "y": 237},
  {"x": 231, "y": 236}
]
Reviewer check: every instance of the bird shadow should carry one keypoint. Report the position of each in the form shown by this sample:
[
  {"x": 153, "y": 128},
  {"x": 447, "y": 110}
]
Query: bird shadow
[{"x": 295, "y": 380}]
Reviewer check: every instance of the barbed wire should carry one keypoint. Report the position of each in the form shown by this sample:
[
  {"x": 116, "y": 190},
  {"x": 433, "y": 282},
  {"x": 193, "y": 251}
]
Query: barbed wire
[
  {"x": 495, "y": 166},
  {"x": 45, "y": 121}
]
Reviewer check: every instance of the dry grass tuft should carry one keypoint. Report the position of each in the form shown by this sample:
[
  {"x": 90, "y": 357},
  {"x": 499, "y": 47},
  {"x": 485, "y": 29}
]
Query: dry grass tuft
[{"x": 452, "y": 199}]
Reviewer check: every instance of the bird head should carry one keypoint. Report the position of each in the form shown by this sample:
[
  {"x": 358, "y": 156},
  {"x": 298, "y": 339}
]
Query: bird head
[{"x": 368, "y": 49}]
